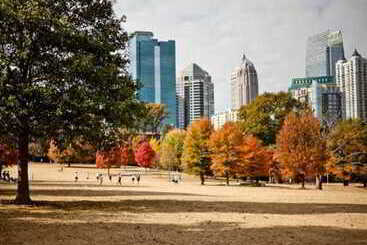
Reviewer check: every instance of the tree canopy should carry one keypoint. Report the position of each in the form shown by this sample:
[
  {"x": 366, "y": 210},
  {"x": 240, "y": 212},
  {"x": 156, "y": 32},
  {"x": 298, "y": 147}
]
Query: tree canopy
[
  {"x": 196, "y": 155},
  {"x": 264, "y": 117},
  {"x": 63, "y": 75}
]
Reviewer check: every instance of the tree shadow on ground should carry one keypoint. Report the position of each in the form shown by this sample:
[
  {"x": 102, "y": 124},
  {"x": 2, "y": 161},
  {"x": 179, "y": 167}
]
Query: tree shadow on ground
[
  {"x": 178, "y": 206},
  {"x": 35, "y": 232}
]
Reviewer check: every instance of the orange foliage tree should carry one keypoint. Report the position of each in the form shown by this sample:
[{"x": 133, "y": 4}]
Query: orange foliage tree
[
  {"x": 196, "y": 155},
  {"x": 255, "y": 158},
  {"x": 301, "y": 147},
  {"x": 117, "y": 156},
  {"x": 145, "y": 155},
  {"x": 225, "y": 151}
]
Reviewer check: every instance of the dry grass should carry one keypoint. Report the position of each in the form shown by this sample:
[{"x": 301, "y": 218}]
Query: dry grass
[{"x": 159, "y": 212}]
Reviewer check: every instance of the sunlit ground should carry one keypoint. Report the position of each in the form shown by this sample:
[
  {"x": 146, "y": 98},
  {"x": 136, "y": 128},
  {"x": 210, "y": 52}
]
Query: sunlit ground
[{"x": 157, "y": 211}]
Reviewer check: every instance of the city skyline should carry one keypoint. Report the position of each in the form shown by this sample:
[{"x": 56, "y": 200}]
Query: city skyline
[{"x": 273, "y": 34}]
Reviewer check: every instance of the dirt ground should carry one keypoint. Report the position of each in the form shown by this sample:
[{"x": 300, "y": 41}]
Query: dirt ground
[{"x": 157, "y": 211}]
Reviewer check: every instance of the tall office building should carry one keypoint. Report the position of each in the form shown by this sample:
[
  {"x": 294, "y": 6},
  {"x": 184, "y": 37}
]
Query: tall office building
[
  {"x": 322, "y": 52},
  {"x": 153, "y": 64},
  {"x": 244, "y": 84},
  {"x": 196, "y": 90},
  {"x": 351, "y": 78}
]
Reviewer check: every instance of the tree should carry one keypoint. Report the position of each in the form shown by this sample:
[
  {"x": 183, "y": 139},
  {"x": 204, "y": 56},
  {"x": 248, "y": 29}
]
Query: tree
[
  {"x": 348, "y": 145},
  {"x": 76, "y": 152},
  {"x": 255, "y": 159},
  {"x": 8, "y": 156},
  {"x": 264, "y": 117},
  {"x": 301, "y": 146},
  {"x": 156, "y": 146},
  {"x": 196, "y": 154},
  {"x": 225, "y": 147},
  {"x": 117, "y": 156},
  {"x": 155, "y": 115},
  {"x": 172, "y": 149},
  {"x": 63, "y": 75},
  {"x": 144, "y": 155}
]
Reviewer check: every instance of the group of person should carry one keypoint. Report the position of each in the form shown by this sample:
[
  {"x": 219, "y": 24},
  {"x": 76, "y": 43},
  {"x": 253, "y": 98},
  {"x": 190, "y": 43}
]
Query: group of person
[
  {"x": 99, "y": 177},
  {"x": 5, "y": 175}
]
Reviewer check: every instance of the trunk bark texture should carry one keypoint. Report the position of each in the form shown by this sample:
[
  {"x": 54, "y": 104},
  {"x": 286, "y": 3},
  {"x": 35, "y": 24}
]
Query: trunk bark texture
[{"x": 22, "y": 196}]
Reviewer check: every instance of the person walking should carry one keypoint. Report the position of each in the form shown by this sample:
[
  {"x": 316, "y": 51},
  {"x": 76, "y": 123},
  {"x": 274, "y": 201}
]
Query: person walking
[
  {"x": 119, "y": 179},
  {"x": 138, "y": 178},
  {"x": 76, "y": 177}
]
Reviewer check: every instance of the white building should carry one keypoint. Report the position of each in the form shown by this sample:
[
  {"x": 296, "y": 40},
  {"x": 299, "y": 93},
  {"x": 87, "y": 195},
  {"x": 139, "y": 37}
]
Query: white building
[
  {"x": 351, "y": 78},
  {"x": 196, "y": 91},
  {"x": 244, "y": 84},
  {"x": 219, "y": 119}
]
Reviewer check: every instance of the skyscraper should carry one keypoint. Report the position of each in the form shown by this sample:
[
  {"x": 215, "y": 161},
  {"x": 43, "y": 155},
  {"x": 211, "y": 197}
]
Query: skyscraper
[
  {"x": 153, "y": 64},
  {"x": 322, "y": 52},
  {"x": 196, "y": 91},
  {"x": 351, "y": 78},
  {"x": 244, "y": 84}
]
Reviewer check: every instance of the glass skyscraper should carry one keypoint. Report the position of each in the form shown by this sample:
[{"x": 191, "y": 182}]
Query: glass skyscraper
[
  {"x": 322, "y": 53},
  {"x": 153, "y": 64}
]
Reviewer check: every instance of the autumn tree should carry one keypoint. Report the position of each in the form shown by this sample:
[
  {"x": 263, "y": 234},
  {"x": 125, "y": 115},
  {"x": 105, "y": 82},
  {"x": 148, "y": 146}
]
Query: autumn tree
[
  {"x": 172, "y": 149},
  {"x": 225, "y": 150},
  {"x": 75, "y": 152},
  {"x": 144, "y": 155},
  {"x": 156, "y": 146},
  {"x": 254, "y": 158},
  {"x": 348, "y": 144},
  {"x": 117, "y": 156},
  {"x": 264, "y": 116},
  {"x": 301, "y": 146},
  {"x": 63, "y": 75},
  {"x": 196, "y": 155},
  {"x": 8, "y": 156}
]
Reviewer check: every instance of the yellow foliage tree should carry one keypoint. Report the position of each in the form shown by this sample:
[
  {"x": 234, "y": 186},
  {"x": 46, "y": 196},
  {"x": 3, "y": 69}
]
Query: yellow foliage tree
[{"x": 196, "y": 154}]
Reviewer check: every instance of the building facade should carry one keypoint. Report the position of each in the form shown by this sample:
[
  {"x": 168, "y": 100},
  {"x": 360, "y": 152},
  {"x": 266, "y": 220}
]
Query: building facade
[
  {"x": 321, "y": 93},
  {"x": 322, "y": 52},
  {"x": 153, "y": 65},
  {"x": 351, "y": 78},
  {"x": 195, "y": 93},
  {"x": 244, "y": 84},
  {"x": 220, "y": 118}
]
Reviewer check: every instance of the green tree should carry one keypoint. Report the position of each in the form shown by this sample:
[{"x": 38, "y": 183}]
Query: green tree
[
  {"x": 196, "y": 154},
  {"x": 63, "y": 75},
  {"x": 264, "y": 117},
  {"x": 171, "y": 149},
  {"x": 154, "y": 117}
]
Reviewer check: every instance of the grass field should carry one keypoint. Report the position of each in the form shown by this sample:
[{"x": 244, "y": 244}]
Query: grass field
[{"x": 156, "y": 211}]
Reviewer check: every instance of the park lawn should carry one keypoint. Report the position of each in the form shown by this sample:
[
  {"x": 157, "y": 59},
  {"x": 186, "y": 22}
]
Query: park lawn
[{"x": 156, "y": 211}]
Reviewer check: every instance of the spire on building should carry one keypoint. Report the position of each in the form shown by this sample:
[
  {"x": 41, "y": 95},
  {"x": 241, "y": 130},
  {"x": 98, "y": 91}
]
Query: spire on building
[{"x": 355, "y": 53}]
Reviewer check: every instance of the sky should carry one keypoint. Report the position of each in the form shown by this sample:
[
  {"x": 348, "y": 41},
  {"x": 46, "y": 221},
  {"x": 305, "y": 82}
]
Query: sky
[{"x": 271, "y": 33}]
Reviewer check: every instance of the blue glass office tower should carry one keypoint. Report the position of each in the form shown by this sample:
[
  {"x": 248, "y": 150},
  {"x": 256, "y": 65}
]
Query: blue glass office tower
[
  {"x": 322, "y": 53},
  {"x": 153, "y": 63}
]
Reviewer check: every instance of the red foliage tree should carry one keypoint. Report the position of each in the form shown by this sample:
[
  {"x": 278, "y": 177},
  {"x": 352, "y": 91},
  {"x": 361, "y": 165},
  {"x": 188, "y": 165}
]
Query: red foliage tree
[
  {"x": 117, "y": 156},
  {"x": 144, "y": 155}
]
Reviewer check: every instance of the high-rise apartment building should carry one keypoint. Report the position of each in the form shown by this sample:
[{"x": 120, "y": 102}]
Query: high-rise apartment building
[
  {"x": 351, "y": 78},
  {"x": 321, "y": 94},
  {"x": 196, "y": 90},
  {"x": 244, "y": 84},
  {"x": 322, "y": 52},
  {"x": 221, "y": 118},
  {"x": 153, "y": 64}
]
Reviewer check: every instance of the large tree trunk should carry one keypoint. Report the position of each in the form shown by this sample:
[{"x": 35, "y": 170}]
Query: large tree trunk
[
  {"x": 22, "y": 196},
  {"x": 319, "y": 182},
  {"x": 202, "y": 178},
  {"x": 346, "y": 182},
  {"x": 303, "y": 182},
  {"x": 364, "y": 184}
]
